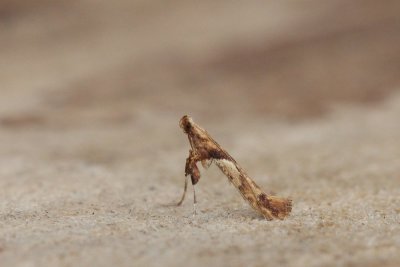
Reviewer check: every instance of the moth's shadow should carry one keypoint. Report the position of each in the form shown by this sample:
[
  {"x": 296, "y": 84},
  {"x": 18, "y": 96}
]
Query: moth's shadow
[{"x": 244, "y": 214}]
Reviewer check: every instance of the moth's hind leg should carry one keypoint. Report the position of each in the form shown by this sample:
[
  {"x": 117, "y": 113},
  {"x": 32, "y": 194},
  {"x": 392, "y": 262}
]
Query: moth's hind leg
[{"x": 194, "y": 201}]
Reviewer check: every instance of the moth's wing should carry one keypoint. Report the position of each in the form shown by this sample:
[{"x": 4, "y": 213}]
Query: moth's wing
[
  {"x": 217, "y": 146},
  {"x": 254, "y": 187},
  {"x": 206, "y": 162}
]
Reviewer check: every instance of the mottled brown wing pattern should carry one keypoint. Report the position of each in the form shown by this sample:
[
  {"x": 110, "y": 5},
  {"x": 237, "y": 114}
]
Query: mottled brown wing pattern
[{"x": 206, "y": 150}]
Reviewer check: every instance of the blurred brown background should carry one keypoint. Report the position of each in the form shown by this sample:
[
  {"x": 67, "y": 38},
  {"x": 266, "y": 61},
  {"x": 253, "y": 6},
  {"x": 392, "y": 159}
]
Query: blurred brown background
[
  {"x": 289, "y": 59},
  {"x": 91, "y": 93}
]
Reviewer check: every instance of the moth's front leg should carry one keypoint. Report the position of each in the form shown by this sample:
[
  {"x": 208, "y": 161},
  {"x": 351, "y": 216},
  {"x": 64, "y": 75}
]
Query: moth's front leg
[
  {"x": 192, "y": 170},
  {"x": 191, "y": 167}
]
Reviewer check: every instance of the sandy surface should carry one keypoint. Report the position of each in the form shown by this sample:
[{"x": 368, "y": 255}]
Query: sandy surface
[
  {"x": 95, "y": 195},
  {"x": 303, "y": 94}
]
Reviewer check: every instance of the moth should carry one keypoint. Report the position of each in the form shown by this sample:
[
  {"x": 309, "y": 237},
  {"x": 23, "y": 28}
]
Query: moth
[{"x": 207, "y": 151}]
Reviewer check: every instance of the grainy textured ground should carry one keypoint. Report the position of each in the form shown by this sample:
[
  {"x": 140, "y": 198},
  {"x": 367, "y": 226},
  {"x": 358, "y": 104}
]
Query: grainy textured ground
[{"x": 304, "y": 94}]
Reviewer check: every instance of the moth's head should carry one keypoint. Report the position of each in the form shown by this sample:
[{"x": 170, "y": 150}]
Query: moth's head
[{"x": 186, "y": 123}]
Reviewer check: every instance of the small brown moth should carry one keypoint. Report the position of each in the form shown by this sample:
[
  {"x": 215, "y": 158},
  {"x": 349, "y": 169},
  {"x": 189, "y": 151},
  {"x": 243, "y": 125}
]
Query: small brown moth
[{"x": 206, "y": 150}]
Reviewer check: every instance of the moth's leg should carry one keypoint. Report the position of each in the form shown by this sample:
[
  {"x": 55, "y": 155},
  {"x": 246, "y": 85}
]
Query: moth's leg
[
  {"x": 184, "y": 191},
  {"x": 194, "y": 175},
  {"x": 194, "y": 201},
  {"x": 189, "y": 170},
  {"x": 191, "y": 167},
  {"x": 192, "y": 170}
]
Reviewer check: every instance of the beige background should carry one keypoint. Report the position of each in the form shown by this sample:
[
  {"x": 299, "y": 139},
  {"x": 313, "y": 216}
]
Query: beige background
[{"x": 304, "y": 94}]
